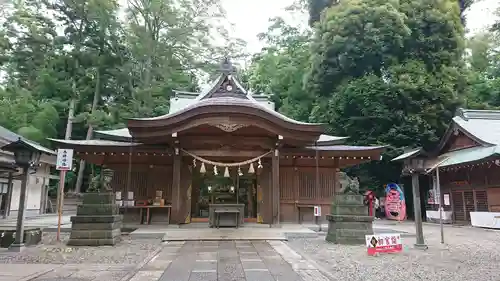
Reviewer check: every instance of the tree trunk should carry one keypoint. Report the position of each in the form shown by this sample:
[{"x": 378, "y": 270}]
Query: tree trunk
[
  {"x": 90, "y": 131},
  {"x": 71, "y": 116}
]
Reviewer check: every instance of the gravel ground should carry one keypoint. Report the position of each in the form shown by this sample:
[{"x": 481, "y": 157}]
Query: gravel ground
[
  {"x": 468, "y": 254},
  {"x": 52, "y": 252}
]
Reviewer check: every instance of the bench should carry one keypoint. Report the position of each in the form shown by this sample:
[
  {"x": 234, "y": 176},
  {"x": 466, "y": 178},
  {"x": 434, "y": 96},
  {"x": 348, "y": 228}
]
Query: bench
[
  {"x": 229, "y": 211},
  {"x": 303, "y": 206}
]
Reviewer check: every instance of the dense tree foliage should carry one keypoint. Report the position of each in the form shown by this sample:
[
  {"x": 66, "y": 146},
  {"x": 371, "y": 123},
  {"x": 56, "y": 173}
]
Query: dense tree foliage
[
  {"x": 69, "y": 66},
  {"x": 316, "y": 7},
  {"x": 380, "y": 72}
]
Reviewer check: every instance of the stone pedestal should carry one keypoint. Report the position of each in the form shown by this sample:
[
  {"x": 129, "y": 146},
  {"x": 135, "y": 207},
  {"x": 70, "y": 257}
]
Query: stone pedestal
[
  {"x": 97, "y": 221},
  {"x": 349, "y": 221},
  {"x": 32, "y": 236}
]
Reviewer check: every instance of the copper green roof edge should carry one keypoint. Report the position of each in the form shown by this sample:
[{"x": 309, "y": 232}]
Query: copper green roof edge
[
  {"x": 95, "y": 142},
  {"x": 345, "y": 147},
  {"x": 27, "y": 143},
  {"x": 40, "y": 147},
  {"x": 124, "y": 133},
  {"x": 408, "y": 154},
  {"x": 10, "y": 136},
  {"x": 121, "y": 133},
  {"x": 469, "y": 155}
]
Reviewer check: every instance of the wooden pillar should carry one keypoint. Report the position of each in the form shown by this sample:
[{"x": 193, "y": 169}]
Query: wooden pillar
[
  {"x": 418, "y": 211},
  {"x": 10, "y": 188},
  {"x": 176, "y": 186},
  {"x": 276, "y": 186}
]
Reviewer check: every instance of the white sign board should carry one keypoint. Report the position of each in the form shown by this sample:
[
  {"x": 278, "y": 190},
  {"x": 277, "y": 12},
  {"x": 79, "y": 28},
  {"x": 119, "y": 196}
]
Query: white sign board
[
  {"x": 64, "y": 159},
  {"x": 384, "y": 243},
  {"x": 317, "y": 211},
  {"x": 446, "y": 199}
]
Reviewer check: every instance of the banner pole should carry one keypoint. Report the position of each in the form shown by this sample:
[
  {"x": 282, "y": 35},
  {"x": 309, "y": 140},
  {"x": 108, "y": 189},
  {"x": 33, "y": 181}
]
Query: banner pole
[{"x": 62, "y": 177}]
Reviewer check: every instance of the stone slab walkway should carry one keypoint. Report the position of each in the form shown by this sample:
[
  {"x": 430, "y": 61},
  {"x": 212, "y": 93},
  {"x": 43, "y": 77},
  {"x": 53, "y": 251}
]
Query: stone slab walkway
[{"x": 228, "y": 261}]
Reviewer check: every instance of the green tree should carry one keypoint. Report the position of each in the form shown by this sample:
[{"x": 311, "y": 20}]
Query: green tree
[
  {"x": 316, "y": 7},
  {"x": 388, "y": 73},
  {"x": 278, "y": 70},
  {"x": 94, "y": 70}
]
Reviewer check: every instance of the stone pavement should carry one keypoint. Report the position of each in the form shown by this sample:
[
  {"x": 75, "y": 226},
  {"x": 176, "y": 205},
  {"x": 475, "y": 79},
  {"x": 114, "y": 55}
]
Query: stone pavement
[
  {"x": 185, "y": 261},
  {"x": 228, "y": 261},
  {"x": 67, "y": 272}
]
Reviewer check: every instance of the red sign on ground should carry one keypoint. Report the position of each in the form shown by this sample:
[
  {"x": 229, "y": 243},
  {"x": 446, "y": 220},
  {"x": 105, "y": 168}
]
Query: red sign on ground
[{"x": 384, "y": 243}]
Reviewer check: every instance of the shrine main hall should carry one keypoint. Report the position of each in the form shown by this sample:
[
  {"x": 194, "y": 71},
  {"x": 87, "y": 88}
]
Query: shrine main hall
[{"x": 222, "y": 147}]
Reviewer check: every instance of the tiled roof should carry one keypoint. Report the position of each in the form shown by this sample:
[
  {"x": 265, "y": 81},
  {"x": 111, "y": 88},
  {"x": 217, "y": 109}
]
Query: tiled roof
[
  {"x": 482, "y": 124},
  {"x": 467, "y": 155},
  {"x": 227, "y": 101},
  {"x": 12, "y": 137}
]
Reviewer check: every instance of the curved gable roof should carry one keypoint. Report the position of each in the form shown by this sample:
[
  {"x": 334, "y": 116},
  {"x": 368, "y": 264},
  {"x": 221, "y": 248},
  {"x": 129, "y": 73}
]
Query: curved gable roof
[{"x": 225, "y": 97}]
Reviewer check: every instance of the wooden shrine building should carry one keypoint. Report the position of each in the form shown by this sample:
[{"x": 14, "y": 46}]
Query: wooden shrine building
[
  {"x": 468, "y": 160},
  {"x": 224, "y": 145}
]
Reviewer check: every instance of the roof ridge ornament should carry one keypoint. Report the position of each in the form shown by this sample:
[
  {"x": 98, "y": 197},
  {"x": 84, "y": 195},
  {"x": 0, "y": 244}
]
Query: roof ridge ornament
[{"x": 227, "y": 66}]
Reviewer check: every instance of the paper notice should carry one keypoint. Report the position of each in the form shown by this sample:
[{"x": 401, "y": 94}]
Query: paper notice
[{"x": 446, "y": 199}]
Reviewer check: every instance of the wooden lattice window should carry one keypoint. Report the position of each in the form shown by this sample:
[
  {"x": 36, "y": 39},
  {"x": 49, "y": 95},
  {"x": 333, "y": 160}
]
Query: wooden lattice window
[
  {"x": 481, "y": 201},
  {"x": 469, "y": 203}
]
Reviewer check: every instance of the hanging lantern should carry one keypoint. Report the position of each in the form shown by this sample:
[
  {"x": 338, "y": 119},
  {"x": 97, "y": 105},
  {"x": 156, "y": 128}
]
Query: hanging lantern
[
  {"x": 194, "y": 163},
  {"x": 215, "y": 171},
  {"x": 251, "y": 170},
  {"x": 260, "y": 164},
  {"x": 240, "y": 173},
  {"x": 202, "y": 168},
  {"x": 226, "y": 173}
]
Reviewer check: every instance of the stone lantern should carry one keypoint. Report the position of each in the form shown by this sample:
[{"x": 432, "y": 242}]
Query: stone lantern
[
  {"x": 414, "y": 167},
  {"x": 26, "y": 155}
]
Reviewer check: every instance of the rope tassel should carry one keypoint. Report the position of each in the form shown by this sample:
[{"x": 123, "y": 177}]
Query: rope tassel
[
  {"x": 221, "y": 164},
  {"x": 251, "y": 170}
]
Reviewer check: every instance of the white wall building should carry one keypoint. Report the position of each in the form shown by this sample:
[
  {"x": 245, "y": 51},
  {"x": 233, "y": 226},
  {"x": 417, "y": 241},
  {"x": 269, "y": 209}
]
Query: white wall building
[{"x": 38, "y": 181}]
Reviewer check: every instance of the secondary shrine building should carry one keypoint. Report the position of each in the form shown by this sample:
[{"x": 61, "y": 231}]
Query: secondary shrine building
[{"x": 224, "y": 145}]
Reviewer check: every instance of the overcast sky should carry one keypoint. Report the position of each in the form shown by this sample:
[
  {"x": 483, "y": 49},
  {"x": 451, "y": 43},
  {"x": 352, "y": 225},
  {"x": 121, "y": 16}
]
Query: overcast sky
[{"x": 251, "y": 17}]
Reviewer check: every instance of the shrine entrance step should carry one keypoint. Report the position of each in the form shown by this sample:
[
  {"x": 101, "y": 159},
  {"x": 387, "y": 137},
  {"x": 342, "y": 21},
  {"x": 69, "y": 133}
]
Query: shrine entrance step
[{"x": 214, "y": 234}]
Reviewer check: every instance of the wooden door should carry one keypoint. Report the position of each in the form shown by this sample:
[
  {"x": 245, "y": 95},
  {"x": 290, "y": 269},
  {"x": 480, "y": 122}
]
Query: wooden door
[
  {"x": 458, "y": 206},
  {"x": 264, "y": 196}
]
